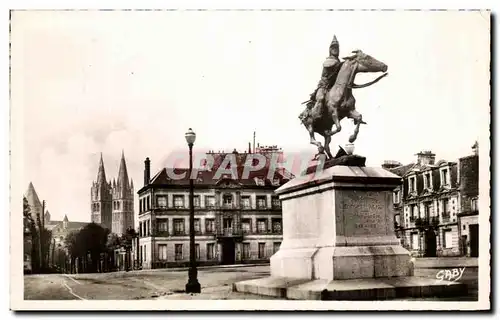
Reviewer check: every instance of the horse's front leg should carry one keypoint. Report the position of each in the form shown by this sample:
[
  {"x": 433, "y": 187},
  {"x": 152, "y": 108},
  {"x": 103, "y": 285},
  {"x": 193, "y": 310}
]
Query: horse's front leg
[
  {"x": 312, "y": 138},
  {"x": 358, "y": 120},
  {"x": 328, "y": 139}
]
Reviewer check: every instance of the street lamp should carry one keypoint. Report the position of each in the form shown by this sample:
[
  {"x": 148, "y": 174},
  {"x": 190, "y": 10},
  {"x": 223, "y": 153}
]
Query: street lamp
[{"x": 192, "y": 286}]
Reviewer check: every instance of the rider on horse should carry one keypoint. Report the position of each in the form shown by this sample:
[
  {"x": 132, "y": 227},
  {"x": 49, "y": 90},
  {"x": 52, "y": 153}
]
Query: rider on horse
[{"x": 331, "y": 68}]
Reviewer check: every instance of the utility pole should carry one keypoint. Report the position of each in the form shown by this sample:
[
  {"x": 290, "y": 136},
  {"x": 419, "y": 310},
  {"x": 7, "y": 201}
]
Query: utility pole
[{"x": 40, "y": 228}]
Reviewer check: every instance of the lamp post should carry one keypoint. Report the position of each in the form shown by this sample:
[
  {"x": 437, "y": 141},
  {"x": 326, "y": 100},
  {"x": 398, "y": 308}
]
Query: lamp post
[{"x": 192, "y": 286}]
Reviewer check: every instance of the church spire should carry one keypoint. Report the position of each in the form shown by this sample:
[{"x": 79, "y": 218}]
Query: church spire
[
  {"x": 122, "y": 183},
  {"x": 101, "y": 175}
]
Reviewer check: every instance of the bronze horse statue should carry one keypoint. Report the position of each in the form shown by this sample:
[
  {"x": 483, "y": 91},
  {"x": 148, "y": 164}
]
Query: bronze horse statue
[{"x": 340, "y": 102}]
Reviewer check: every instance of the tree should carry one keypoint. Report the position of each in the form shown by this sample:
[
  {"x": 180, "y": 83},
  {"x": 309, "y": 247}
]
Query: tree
[
  {"x": 93, "y": 240},
  {"x": 126, "y": 242},
  {"x": 29, "y": 231}
]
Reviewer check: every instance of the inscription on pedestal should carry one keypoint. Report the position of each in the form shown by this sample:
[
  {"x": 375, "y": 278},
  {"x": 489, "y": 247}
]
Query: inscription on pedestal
[{"x": 364, "y": 213}]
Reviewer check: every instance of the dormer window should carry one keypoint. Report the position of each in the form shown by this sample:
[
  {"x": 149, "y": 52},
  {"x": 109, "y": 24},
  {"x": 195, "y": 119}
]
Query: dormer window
[
  {"x": 474, "y": 205},
  {"x": 412, "y": 184},
  {"x": 445, "y": 177},
  {"x": 395, "y": 197},
  {"x": 428, "y": 180}
]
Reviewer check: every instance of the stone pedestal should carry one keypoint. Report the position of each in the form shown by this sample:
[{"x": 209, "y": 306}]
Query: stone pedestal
[
  {"x": 339, "y": 240},
  {"x": 339, "y": 224}
]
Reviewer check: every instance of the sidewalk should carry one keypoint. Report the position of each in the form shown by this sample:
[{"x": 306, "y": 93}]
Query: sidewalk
[{"x": 446, "y": 262}]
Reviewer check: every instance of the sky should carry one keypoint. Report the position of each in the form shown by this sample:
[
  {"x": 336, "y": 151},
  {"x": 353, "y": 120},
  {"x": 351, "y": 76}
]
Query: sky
[{"x": 86, "y": 82}]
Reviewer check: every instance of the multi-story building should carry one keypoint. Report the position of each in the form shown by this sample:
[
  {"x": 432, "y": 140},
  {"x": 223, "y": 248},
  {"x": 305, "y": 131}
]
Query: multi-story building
[
  {"x": 427, "y": 206},
  {"x": 238, "y": 219},
  {"x": 112, "y": 203},
  {"x": 468, "y": 168}
]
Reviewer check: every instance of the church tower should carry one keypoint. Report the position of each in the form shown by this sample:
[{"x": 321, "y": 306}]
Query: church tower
[
  {"x": 123, "y": 201},
  {"x": 101, "y": 198}
]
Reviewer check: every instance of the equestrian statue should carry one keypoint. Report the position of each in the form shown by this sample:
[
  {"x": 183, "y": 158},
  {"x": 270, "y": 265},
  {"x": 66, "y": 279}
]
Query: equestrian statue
[{"x": 333, "y": 101}]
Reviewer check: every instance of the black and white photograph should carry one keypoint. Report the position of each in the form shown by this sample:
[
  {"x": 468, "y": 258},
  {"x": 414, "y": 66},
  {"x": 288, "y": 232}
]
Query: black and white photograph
[{"x": 250, "y": 159}]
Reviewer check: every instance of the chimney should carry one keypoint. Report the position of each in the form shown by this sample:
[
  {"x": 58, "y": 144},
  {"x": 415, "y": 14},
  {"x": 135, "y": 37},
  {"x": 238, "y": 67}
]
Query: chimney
[
  {"x": 253, "y": 142},
  {"x": 249, "y": 147},
  {"x": 147, "y": 171},
  {"x": 426, "y": 157},
  {"x": 475, "y": 149},
  {"x": 390, "y": 164}
]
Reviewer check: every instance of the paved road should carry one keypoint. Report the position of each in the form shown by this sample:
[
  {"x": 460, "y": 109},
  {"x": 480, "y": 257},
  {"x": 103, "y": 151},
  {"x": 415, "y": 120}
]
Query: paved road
[{"x": 166, "y": 284}]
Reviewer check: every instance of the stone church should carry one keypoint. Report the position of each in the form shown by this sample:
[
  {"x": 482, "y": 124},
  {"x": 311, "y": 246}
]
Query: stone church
[{"x": 112, "y": 202}]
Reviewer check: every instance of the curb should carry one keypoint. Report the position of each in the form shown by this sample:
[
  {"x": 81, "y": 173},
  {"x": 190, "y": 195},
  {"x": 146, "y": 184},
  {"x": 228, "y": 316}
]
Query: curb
[{"x": 225, "y": 266}]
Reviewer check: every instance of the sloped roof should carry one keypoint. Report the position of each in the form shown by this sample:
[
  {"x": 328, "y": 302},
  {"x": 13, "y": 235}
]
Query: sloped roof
[
  {"x": 32, "y": 197},
  {"x": 71, "y": 225},
  {"x": 206, "y": 177},
  {"x": 402, "y": 170},
  {"x": 122, "y": 181}
]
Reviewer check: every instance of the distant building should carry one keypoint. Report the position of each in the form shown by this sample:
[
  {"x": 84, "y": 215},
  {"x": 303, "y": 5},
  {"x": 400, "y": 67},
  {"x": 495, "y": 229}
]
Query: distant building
[
  {"x": 112, "y": 203},
  {"x": 426, "y": 206},
  {"x": 468, "y": 168},
  {"x": 34, "y": 203},
  {"x": 236, "y": 220},
  {"x": 60, "y": 229},
  {"x": 35, "y": 209}
]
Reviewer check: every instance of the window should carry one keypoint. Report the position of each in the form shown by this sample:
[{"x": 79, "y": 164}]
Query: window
[
  {"x": 395, "y": 197},
  {"x": 276, "y": 246},
  {"x": 209, "y": 225},
  {"x": 197, "y": 226},
  {"x": 276, "y": 224},
  {"x": 427, "y": 180},
  {"x": 445, "y": 213},
  {"x": 196, "y": 201},
  {"x": 473, "y": 205},
  {"x": 414, "y": 241},
  {"x": 179, "y": 202},
  {"x": 276, "y": 202},
  {"x": 427, "y": 208},
  {"x": 261, "y": 226},
  {"x": 262, "y": 248},
  {"x": 246, "y": 225},
  {"x": 228, "y": 200},
  {"x": 413, "y": 212},
  {"x": 444, "y": 177},
  {"x": 147, "y": 204},
  {"x": 210, "y": 251},
  {"x": 261, "y": 202},
  {"x": 162, "y": 225},
  {"x": 210, "y": 201},
  {"x": 162, "y": 251},
  {"x": 412, "y": 185},
  {"x": 246, "y": 251},
  {"x": 179, "y": 227},
  {"x": 178, "y": 252},
  {"x": 197, "y": 251},
  {"x": 161, "y": 201},
  {"x": 227, "y": 223},
  {"x": 245, "y": 202},
  {"x": 447, "y": 239}
]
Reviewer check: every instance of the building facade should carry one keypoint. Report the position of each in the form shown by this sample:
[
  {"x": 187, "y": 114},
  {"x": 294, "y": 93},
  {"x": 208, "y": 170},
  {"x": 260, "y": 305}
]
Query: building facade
[
  {"x": 238, "y": 218},
  {"x": 427, "y": 206},
  {"x": 112, "y": 203},
  {"x": 469, "y": 203}
]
